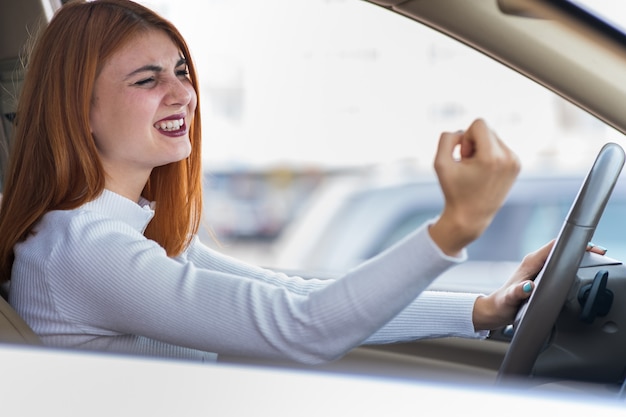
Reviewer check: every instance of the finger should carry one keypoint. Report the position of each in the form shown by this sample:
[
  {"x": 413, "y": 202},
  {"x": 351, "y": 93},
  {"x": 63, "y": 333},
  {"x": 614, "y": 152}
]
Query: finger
[
  {"x": 448, "y": 141},
  {"x": 535, "y": 260},
  {"x": 520, "y": 292},
  {"x": 478, "y": 131},
  {"x": 596, "y": 249},
  {"x": 478, "y": 137},
  {"x": 468, "y": 147},
  {"x": 542, "y": 253},
  {"x": 527, "y": 288},
  {"x": 483, "y": 143}
]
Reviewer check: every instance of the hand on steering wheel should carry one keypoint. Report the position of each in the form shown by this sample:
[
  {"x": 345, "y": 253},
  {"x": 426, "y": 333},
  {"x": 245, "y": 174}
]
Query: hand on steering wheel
[{"x": 536, "y": 317}]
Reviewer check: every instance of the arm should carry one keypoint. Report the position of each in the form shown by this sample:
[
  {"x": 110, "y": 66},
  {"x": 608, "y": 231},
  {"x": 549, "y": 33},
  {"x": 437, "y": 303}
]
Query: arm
[
  {"x": 146, "y": 293},
  {"x": 474, "y": 187},
  {"x": 111, "y": 279},
  {"x": 432, "y": 314}
]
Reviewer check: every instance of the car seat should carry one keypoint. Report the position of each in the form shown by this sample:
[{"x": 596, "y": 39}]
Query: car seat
[{"x": 13, "y": 329}]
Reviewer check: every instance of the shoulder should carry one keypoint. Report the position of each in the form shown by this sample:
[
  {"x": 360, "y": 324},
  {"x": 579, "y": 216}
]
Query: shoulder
[
  {"x": 81, "y": 223},
  {"x": 83, "y": 234},
  {"x": 71, "y": 244}
]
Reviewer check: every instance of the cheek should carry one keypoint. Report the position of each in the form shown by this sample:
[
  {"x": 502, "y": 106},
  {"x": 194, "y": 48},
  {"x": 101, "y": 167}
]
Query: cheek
[
  {"x": 96, "y": 125},
  {"x": 94, "y": 115},
  {"x": 103, "y": 118},
  {"x": 111, "y": 127},
  {"x": 193, "y": 102}
]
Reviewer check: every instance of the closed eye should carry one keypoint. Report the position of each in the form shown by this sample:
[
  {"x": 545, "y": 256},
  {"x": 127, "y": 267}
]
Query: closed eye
[
  {"x": 145, "y": 81},
  {"x": 182, "y": 69}
]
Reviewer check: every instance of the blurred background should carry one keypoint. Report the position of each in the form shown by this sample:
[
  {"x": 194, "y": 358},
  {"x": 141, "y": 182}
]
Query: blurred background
[{"x": 317, "y": 110}]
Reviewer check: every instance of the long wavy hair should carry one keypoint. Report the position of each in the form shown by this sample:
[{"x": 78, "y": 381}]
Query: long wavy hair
[{"x": 53, "y": 162}]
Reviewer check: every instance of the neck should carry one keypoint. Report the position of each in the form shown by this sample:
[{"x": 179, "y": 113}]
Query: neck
[{"x": 129, "y": 189}]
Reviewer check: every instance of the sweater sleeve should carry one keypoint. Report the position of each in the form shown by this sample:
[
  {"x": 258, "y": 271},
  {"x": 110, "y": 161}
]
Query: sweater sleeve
[
  {"x": 432, "y": 314},
  {"x": 221, "y": 309}
]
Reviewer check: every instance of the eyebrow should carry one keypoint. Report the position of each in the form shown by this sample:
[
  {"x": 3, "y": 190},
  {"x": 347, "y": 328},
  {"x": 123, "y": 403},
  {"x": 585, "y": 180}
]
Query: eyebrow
[{"x": 155, "y": 68}]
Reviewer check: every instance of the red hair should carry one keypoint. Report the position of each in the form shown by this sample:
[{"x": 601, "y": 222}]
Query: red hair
[{"x": 54, "y": 164}]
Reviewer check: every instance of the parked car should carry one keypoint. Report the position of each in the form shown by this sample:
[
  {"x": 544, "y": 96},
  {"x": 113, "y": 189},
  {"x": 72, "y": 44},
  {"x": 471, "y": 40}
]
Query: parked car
[
  {"x": 566, "y": 352},
  {"x": 350, "y": 221}
]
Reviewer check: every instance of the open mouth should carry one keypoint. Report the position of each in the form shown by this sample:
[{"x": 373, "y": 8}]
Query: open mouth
[{"x": 171, "y": 125}]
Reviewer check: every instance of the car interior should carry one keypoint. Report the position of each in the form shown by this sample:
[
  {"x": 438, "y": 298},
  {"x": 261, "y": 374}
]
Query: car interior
[
  {"x": 572, "y": 332},
  {"x": 19, "y": 20}
]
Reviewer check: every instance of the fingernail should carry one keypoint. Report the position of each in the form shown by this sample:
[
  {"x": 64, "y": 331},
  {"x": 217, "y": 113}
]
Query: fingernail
[
  {"x": 527, "y": 287},
  {"x": 601, "y": 250},
  {"x": 591, "y": 247}
]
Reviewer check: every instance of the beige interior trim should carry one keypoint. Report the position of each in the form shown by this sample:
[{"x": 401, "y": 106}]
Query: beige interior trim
[
  {"x": 446, "y": 359},
  {"x": 13, "y": 329},
  {"x": 557, "y": 43}
]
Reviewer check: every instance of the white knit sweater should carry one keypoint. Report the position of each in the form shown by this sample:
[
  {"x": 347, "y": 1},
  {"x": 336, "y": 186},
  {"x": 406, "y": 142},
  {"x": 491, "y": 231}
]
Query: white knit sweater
[{"x": 88, "y": 278}]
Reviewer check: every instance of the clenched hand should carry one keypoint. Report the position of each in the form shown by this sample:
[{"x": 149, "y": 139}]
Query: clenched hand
[{"x": 474, "y": 184}]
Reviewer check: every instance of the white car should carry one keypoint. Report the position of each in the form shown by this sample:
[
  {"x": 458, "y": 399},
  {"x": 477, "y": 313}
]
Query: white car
[{"x": 351, "y": 220}]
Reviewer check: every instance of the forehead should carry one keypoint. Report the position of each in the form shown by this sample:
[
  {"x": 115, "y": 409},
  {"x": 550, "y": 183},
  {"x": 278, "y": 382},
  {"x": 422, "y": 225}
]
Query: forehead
[{"x": 153, "y": 47}]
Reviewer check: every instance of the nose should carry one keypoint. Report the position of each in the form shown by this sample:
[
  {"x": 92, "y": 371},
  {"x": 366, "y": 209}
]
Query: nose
[{"x": 180, "y": 93}]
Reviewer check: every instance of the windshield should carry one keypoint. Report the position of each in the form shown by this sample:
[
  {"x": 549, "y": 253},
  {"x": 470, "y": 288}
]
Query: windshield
[{"x": 302, "y": 98}]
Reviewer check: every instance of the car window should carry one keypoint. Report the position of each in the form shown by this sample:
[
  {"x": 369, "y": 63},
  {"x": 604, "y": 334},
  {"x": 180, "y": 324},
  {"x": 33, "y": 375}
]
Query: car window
[
  {"x": 533, "y": 224},
  {"x": 405, "y": 226},
  {"x": 296, "y": 99}
]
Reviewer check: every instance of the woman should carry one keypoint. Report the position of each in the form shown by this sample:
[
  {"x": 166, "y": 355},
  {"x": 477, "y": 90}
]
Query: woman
[{"x": 102, "y": 203}]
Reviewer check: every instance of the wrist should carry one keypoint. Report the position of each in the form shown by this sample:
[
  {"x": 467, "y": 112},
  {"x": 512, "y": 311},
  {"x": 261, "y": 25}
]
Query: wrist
[
  {"x": 481, "y": 315},
  {"x": 452, "y": 234}
]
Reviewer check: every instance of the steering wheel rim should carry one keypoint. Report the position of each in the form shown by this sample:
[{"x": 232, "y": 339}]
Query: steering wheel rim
[{"x": 537, "y": 316}]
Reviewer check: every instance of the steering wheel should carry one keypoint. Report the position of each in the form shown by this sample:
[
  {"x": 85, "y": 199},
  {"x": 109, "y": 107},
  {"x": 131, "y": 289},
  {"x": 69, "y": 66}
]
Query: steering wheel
[{"x": 537, "y": 316}]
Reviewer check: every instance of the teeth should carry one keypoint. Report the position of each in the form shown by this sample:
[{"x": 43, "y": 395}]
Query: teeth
[{"x": 171, "y": 125}]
